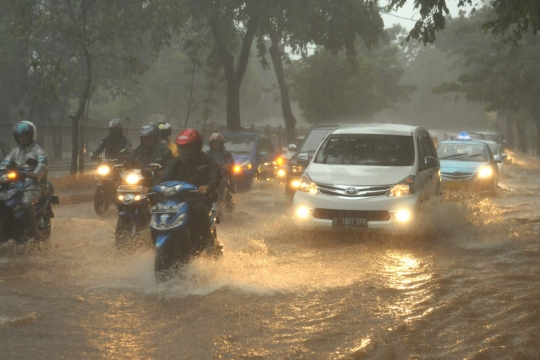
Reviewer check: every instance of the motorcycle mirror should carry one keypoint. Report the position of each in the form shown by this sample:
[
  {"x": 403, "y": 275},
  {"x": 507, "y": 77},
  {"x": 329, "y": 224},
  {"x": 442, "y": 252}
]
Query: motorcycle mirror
[{"x": 31, "y": 162}]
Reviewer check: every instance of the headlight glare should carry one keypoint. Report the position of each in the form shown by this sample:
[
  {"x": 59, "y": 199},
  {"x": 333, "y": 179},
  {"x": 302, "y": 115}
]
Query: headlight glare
[
  {"x": 485, "y": 172},
  {"x": 404, "y": 187},
  {"x": 103, "y": 170},
  {"x": 133, "y": 179},
  {"x": 306, "y": 185}
]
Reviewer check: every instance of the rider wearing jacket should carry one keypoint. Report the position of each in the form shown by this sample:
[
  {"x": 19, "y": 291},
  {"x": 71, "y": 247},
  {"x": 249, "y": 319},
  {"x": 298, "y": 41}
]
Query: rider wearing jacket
[
  {"x": 115, "y": 141},
  {"x": 165, "y": 131},
  {"x": 224, "y": 158},
  {"x": 184, "y": 168},
  {"x": 150, "y": 150},
  {"x": 25, "y": 134}
]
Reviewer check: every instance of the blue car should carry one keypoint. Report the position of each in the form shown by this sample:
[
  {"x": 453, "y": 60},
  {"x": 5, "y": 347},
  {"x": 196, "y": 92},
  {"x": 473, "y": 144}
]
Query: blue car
[
  {"x": 468, "y": 164},
  {"x": 254, "y": 156}
]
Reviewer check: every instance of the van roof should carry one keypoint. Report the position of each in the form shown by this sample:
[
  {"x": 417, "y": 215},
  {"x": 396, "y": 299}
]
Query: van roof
[{"x": 382, "y": 129}]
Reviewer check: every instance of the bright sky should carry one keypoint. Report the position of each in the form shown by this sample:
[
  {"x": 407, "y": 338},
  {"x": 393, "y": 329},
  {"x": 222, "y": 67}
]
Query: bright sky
[{"x": 411, "y": 14}]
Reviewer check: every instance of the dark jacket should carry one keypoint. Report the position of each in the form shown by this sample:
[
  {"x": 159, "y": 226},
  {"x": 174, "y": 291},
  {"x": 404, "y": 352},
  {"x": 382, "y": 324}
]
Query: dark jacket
[
  {"x": 222, "y": 157},
  {"x": 113, "y": 145},
  {"x": 141, "y": 157},
  {"x": 178, "y": 170}
]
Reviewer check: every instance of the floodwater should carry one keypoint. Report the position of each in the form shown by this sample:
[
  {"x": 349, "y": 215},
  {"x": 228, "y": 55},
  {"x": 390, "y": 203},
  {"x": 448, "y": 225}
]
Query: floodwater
[{"x": 465, "y": 287}]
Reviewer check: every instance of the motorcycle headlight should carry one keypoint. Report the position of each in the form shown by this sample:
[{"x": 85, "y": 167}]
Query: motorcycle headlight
[
  {"x": 307, "y": 185},
  {"x": 160, "y": 226},
  {"x": 133, "y": 179},
  {"x": 170, "y": 190},
  {"x": 404, "y": 187},
  {"x": 103, "y": 170},
  {"x": 485, "y": 172}
]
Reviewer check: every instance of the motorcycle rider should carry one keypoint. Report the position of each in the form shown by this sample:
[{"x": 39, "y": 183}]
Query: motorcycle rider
[
  {"x": 115, "y": 141},
  {"x": 150, "y": 150},
  {"x": 222, "y": 157},
  {"x": 25, "y": 134},
  {"x": 165, "y": 131},
  {"x": 184, "y": 168}
]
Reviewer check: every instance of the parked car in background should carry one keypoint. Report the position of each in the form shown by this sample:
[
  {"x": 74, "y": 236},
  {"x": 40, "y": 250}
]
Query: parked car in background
[
  {"x": 254, "y": 156},
  {"x": 468, "y": 164},
  {"x": 498, "y": 154},
  {"x": 299, "y": 161},
  {"x": 369, "y": 176}
]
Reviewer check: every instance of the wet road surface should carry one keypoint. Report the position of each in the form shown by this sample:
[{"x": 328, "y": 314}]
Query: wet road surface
[{"x": 466, "y": 286}]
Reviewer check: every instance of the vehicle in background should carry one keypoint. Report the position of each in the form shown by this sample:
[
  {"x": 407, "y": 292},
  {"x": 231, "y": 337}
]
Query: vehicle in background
[
  {"x": 299, "y": 161},
  {"x": 468, "y": 164},
  {"x": 467, "y": 135},
  {"x": 369, "y": 176},
  {"x": 437, "y": 136},
  {"x": 491, "y": 135},
  {"x": 498, "y": 155},
  {"x": 283, "y": 161},
  {"x": 254, "y": 156}
]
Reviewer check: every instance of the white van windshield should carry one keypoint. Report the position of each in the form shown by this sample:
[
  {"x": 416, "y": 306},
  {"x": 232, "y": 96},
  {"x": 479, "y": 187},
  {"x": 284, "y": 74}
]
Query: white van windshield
[{"x": 367, "y": 149}]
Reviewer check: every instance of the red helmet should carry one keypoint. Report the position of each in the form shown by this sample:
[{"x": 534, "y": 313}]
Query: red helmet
[{"x": 189, "y": 137}]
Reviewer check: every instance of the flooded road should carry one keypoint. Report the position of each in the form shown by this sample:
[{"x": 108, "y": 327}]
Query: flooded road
[{"x": 465, "y": 287}]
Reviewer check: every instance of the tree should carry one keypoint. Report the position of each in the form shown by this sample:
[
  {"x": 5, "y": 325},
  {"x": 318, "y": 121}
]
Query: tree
[
  {"x": 331, "y": 89},
  {"x": 502, "y": 79},
  {"x": 516, "y": 17},
  {"x": 298, "y": 23}
]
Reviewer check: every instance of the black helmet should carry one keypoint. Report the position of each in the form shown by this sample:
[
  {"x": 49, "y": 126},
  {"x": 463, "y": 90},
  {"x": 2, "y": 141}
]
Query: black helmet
[
  {"x": 149, "y": 130},
  {"x": 116, "y": 127},
  {"x": 25, "y": 128},
  {"x": 165, "y": 130}
]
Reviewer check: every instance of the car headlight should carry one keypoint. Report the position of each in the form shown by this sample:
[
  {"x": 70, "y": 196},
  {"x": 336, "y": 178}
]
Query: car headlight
[
  {"x": 303, "y": 212},
  {"x": 485, "y": 172},
  {"x": 246, "y": 165},
  {"x": 297, "y": 169},
  {"x": 281, "y": 173},
  {"x": 307, "y": 185},
  {"x": 103, "y": 170},
  {"x": 403, "y": 215},
  {"x": 404, "y": 187},
  {"x": 133, "y": 179}
]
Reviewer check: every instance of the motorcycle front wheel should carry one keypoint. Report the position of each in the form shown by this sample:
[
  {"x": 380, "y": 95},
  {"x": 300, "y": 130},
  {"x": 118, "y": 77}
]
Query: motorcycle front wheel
[
  {"x": 124, "y": 231},
  {"x": 170, "y": 257},
  {"x": 101, "y": 205}
]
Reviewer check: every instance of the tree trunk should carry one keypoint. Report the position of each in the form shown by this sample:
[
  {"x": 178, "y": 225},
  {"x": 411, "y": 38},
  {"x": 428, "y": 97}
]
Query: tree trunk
[
  {"x": 288, "y": 116},
  {"x": 233, "y": 75},
  {"x": 537, "y": 123},
  {"x": 521, "y": 136},
  {"x": 510, "y": 131}
]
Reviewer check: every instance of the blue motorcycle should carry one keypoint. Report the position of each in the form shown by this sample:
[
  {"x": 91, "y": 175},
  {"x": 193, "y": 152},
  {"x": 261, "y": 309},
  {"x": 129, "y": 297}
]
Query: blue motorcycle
[
  {"x": 174, "y": 229},
  {"x": 12, "y": 217}
]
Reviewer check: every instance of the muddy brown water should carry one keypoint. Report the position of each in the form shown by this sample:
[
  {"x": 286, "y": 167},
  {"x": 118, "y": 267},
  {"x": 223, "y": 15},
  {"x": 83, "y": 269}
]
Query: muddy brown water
[{"x": 465, "y": 287}]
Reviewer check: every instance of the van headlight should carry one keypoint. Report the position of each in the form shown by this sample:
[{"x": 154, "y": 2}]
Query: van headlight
[
  {"x": 404, "y": 187},
  {"x": 307, "y": 185},
  {"x": 485, "y": 172}
]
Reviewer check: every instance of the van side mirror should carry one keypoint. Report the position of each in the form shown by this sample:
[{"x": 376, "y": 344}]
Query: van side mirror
[
  {"x": 293, "y": 147},
  {"x": 302, "y": 159},
  {"x": 504, "y": 155},
  {"x": 430, "y": 162}
]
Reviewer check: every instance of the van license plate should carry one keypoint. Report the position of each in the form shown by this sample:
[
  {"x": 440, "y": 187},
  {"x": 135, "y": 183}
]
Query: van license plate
[{"x": 349, "y": 223}]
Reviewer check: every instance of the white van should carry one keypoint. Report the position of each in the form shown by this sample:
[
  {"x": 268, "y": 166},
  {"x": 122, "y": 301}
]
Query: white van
[{"x": 368, "y": 176}]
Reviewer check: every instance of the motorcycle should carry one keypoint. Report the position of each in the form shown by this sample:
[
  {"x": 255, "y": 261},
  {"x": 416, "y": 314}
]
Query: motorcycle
[
  {"x": 133, "y": 204},
  {"x": 174, "y": 230},
  {"x": 226, "y": 189},
  {"x": 108, "y": 179},
  {"x": 12, "y": 217}
]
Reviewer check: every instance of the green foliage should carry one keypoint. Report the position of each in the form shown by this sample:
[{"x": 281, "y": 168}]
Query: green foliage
[
  {"x": 512, "y": 18},
  {"x": 332, "y": 88}
]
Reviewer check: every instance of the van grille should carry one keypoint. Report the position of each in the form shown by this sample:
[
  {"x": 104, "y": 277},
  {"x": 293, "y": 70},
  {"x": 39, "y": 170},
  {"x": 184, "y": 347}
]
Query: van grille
[
  {"x": 369, "y": 215},
  {"x": 354, "y": 191}
]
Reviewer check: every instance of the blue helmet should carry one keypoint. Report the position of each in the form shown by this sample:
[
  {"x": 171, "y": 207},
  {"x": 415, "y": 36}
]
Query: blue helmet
[{"x": 25, "y": 128}]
